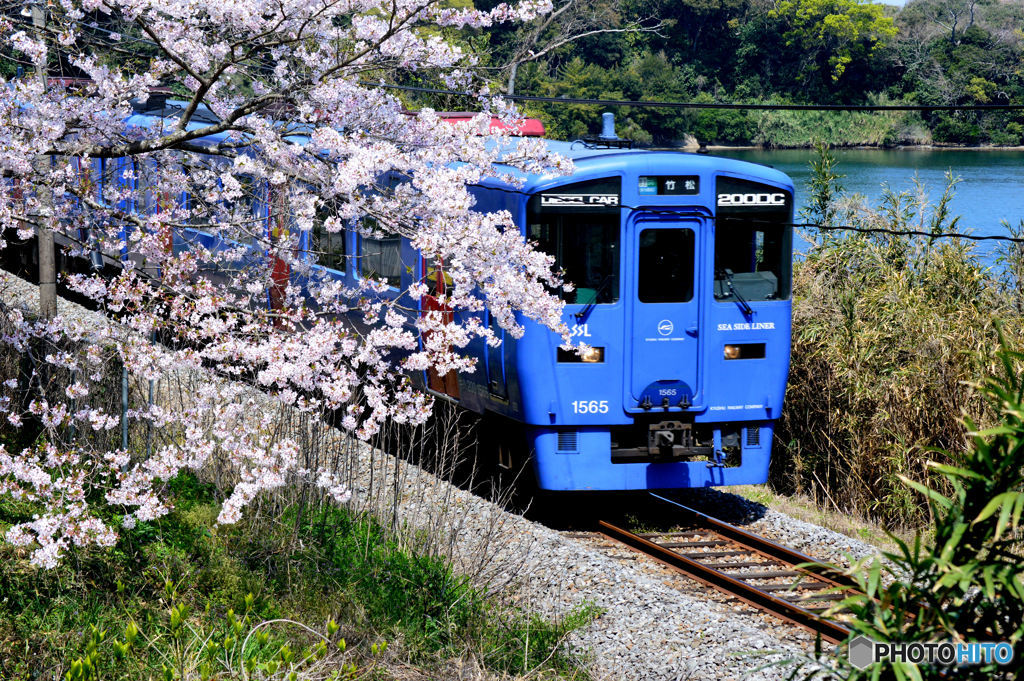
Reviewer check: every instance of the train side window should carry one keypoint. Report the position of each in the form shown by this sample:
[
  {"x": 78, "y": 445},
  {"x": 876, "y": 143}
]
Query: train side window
[
  {"x": 381, "y": 258},
  {"x": 251, "y": 211},
  {"x": 665, "y": 259},
  {"x": 329, "y": 247},
  {"x": 103, "y": 179},
  {"x": 147, "y": 191},
  {"x": 126, "y": 181}
]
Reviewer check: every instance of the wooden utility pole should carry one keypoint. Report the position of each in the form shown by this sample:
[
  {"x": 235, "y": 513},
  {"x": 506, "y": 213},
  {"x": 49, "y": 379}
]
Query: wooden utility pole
[{"x": 44, "y": 230}]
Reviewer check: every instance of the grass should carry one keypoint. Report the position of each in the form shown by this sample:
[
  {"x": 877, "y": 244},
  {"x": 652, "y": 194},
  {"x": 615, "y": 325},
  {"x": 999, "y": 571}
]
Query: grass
[
  {"x": 392, "y": 606},
  {"x": 844, "y": 128},
  {"x": 795, "y": 129},
  {"x": 802, "y": 507}
]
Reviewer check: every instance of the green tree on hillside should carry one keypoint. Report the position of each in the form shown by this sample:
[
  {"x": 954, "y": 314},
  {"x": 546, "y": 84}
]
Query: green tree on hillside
[
  {"x": 703, "y": 33},
  {"x": 833, "y": 34},
  {"x": 786, "y": 51}
]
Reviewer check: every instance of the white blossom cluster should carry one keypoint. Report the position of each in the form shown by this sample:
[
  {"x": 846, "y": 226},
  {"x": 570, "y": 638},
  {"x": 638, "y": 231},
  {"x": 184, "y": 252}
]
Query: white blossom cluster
[{"x": 276, "y": 143}]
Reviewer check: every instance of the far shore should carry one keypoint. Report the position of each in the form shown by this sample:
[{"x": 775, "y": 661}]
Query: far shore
[
  {"x": 854, "y": 147},
  {"x": 693, "y": 146}
]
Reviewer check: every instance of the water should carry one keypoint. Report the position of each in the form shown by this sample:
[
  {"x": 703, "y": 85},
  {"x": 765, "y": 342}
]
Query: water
[{"x": 991, "y": 188}]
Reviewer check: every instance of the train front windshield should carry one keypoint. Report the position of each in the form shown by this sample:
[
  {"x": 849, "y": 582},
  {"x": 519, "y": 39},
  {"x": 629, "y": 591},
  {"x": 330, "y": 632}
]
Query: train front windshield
[
  {"x": 754, "y": 258},
  {"x": 753, "y": 241},
  {"x": 579, "y": 225}
]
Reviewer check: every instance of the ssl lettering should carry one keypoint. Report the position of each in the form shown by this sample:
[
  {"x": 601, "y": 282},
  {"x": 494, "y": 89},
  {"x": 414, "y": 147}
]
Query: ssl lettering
[
  {"x": 778, "y": 199},
  {"x": 590, "y": 406}
]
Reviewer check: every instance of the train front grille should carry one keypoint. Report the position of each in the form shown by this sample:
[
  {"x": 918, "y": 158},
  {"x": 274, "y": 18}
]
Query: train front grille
[{"x": 568, "y": 441}]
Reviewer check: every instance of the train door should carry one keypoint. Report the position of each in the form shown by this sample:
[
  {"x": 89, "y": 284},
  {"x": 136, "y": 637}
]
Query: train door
[
  {"x": 662, "y": 365},
  {"x": 438, "y": 281},
  {"x": 277, "y": 231}
]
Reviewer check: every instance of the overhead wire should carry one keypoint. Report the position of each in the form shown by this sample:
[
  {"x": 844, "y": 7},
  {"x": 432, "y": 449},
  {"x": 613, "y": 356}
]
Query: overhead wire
[
  {"x": 801, "y": 225},
  {"x": 910, "y": 232}
]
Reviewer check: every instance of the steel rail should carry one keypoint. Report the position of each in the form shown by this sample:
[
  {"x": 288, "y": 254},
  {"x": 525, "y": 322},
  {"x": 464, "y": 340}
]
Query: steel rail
[
  {"x": 765, "y": 547},
  {"x": 750, "y": 594}
]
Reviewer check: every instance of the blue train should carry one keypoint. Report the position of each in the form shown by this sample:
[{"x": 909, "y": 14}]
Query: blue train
[
  {"x": 682, "y": 265},
  {"x": 682, "y": 270}
]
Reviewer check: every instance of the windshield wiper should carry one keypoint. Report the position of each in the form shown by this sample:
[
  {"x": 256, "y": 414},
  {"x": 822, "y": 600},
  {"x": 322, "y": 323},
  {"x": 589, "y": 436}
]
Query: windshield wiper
[
  {"x": 582, "y": 314},
  {"x": 726, "y": 274}
]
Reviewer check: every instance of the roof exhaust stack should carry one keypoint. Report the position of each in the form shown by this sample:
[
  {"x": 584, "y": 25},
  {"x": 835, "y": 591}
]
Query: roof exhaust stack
[
  {"x": 607, "y": 139},
  {"x": 608, "y": 127}
]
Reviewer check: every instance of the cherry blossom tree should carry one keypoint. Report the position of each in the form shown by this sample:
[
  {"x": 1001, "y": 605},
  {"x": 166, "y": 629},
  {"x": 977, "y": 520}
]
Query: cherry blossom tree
[{"x": 210, "y": 150}]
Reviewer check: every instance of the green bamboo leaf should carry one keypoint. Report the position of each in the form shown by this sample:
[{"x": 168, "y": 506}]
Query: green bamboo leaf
[
  {"x": 947, "y": 580},
  {"x": 942, "y": 501},
  {"x": 1004, "y": 516},
  {"x": 955, "y": 471},
  {"x": 953, "y": 541},
  {"x": 995, "y": 430},
  {"x": 967, "y": 580},
  {"x": 1018, "y": 507},
  {"x": 873, "y": 576},
  {"x": 987, "y": 576},
  {"x": 992, "y": 505}
]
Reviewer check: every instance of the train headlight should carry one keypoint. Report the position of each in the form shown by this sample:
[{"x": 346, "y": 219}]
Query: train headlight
[
  {"x": 591, "y": 355},
  {"x": 744, "y": 351}
]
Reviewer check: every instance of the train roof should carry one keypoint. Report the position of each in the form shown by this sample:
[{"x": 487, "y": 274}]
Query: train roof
[
  {"x": 163, "y": 109},
  {"x": 590, "y": 161},
  {"x": 160, "y": 107},
  {"x": 594, "y": 161},
  {"x": 527, "y": 127}
]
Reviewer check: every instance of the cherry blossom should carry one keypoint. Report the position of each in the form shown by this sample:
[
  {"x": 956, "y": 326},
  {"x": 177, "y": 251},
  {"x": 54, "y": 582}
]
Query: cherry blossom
[{"x": 216, "y": 205}]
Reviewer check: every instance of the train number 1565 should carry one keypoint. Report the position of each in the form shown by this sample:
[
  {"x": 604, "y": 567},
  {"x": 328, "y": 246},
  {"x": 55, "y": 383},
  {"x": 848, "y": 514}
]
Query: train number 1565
[{"x": 590, "y": 406}]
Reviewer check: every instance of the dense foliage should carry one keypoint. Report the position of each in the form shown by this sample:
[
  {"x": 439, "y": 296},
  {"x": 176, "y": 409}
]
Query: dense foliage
[
  {"x": 889, "y": 335},
  {"x": 964, "y": 583},
  {"x": 949, "y": 52}
]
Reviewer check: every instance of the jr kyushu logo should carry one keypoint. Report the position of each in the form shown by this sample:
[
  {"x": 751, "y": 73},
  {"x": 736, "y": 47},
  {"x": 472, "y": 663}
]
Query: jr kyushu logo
[{"x": 665, "y": 327}]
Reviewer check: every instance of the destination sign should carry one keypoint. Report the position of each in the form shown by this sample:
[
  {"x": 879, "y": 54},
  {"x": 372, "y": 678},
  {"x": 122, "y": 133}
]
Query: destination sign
[
  {"x": 593, "y": 197},
  {"x": 578, "y": 200},
  {"x": 668, "y": 185}
]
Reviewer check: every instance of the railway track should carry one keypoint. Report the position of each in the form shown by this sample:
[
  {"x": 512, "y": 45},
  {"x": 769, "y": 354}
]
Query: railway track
[{"x": 755, "y": 570}]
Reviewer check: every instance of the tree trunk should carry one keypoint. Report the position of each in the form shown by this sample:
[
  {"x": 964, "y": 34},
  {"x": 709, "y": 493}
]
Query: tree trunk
[
  {"x": 510, "y": 89},
  {"x": 44, "y": 233}
]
